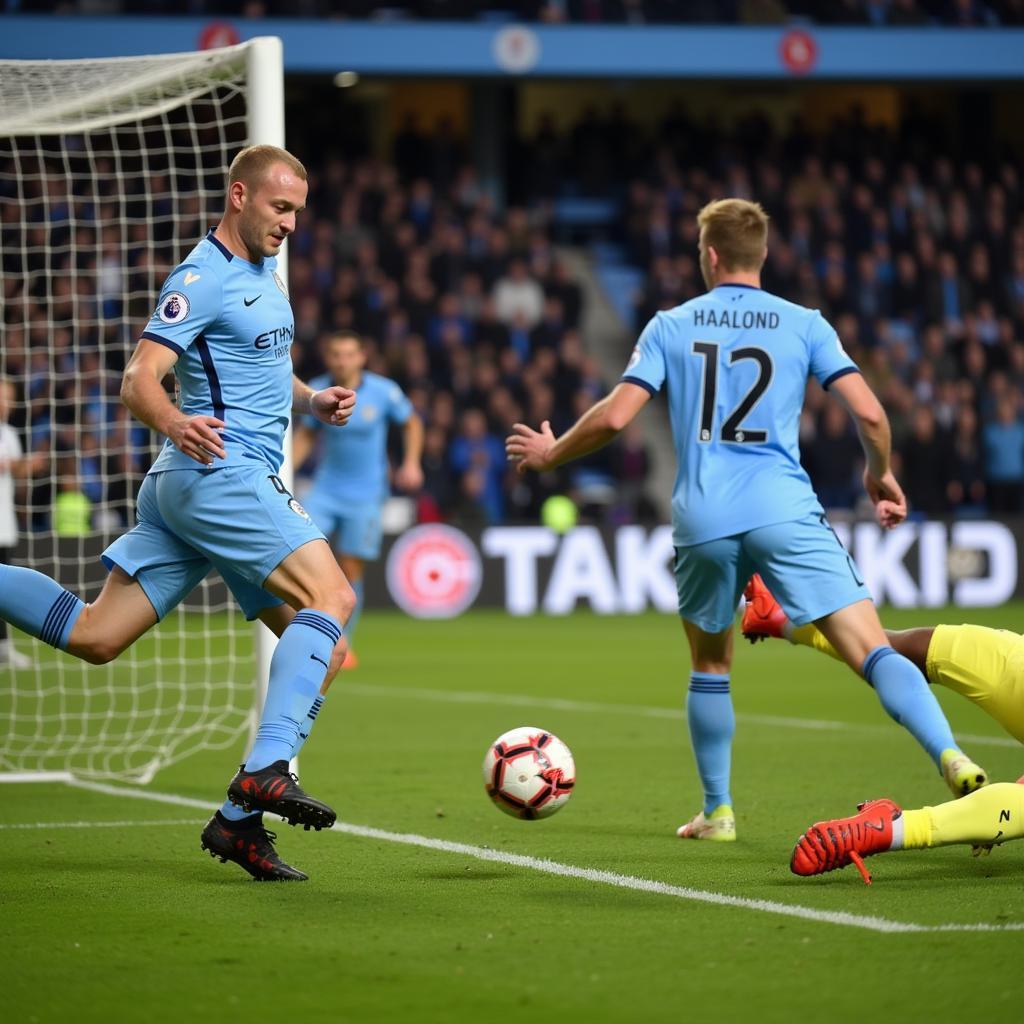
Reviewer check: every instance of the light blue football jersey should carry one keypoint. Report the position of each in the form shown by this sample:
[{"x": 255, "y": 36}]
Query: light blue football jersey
[
  {"x": 231, "y": 325},
  {"x": 353, "y": 466},
  {"x": 735, "y": 362}
]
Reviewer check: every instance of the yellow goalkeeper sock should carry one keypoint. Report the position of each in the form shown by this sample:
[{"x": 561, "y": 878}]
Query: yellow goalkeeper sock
[
  {"x": 994, "y": 814},
  {"x": 811, "y": 636}
]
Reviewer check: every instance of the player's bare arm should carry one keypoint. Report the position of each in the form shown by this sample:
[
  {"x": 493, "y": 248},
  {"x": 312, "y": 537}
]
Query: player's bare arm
[
  {"x": 876, "y": 440},
  {"x": 409, "y": 475},
  {"x": 332, "y": 405},
  {"x": 142, "y": 391},
  {"x": 598, "y": 426}
]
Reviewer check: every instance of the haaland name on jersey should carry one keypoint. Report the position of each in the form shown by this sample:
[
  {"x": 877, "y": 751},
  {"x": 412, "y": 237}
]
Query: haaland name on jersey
[{"x": 749, "y": 318}]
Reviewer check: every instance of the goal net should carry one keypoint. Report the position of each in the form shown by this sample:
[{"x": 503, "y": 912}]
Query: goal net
[{"x": 110, "y": 171}]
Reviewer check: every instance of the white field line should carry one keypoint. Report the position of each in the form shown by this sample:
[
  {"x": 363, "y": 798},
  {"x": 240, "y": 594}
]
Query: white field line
[
  {"x": 550, "y": 867},
  {"x": 97, "y": 824},
  {"x": 638, "y": 710}
]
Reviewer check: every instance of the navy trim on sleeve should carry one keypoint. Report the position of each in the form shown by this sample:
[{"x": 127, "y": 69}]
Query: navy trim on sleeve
[
  {"x": 839, "y": 373},
  {"x": 225, "y": 251},
  {"x": 649, "y": 388},
  {"x": 216, "y": 396},
  {"x": 172, "y": 345}
]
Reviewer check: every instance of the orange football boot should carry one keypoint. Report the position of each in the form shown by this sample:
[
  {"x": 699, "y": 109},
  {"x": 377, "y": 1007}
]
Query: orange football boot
[
  {"x": 829, "y": 845},
  {"x": 350, "y": 662},
  {"x": 763, "y": 617}
]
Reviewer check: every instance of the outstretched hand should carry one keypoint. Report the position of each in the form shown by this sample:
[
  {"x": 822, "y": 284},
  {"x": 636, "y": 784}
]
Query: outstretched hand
[
  {"x": 529, "y": 448},
  {"x": 888, "y": 498},
  {"x": 333, "y": 405}
]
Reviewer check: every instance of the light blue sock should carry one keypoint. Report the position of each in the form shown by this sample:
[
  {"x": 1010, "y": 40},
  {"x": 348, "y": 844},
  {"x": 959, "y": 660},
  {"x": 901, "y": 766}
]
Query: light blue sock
[
  {"x": 297, "y": 671},
  {"x": 712, "y": 724},
  {"x": 908, "y": 699},
  {"x": 37, "y": 605},
  {"x": 233, "y": 813},
  {"x": 350, "y": 626}
]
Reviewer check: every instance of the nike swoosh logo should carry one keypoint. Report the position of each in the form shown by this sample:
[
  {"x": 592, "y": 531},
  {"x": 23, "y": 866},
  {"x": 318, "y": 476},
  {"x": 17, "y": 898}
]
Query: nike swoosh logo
[
  {"x": 249, "y": 302},
  {"x": 190, "y": 277},
  {"x": 313, "y": 657}
]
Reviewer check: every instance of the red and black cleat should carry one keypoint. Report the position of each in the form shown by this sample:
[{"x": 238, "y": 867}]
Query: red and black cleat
[
  {"x": 249, "y": 845},
  {"x": 277, "y": 790}
]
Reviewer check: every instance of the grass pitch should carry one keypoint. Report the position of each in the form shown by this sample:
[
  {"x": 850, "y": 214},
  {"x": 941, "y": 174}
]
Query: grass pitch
[{"x": 111, "y": 913}]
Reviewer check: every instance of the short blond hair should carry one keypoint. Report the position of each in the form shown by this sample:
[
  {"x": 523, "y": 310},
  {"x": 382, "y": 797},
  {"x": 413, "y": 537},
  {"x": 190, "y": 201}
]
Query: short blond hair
[
  {"x": 251, "y": 164},
  {"x": 737, "y": 230}
]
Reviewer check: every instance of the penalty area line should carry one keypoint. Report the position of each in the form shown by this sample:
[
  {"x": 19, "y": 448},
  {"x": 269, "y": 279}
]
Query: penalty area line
[{"x": 597, "y": 875}]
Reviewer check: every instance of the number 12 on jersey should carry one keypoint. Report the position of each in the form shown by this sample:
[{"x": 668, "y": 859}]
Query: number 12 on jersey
[{"x": 732, "y": 431}]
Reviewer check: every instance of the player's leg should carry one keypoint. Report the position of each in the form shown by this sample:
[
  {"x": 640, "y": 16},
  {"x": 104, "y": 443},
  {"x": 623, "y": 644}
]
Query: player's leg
[
  {"x": 359, "y": 542},
  {"x": 856, "y": 633},
  {"x": 815, "y": 580},
  {"x": 9, "y": 655},
  {"x": 353, "y": 570},
  {"x": 150, "y": 572},
  {"x": 986, "y": 818},
  {"x": 310, "y": 581},
  {"x": 707, "y": 580}
]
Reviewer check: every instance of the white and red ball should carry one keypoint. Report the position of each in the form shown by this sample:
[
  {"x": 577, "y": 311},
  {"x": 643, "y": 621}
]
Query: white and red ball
[{"x": 529, "y": 773}]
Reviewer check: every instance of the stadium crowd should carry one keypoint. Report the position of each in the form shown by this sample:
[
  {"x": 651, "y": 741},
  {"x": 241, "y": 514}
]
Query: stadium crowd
[
  {"x": 963, "y": 13},
  {"x": 917, "y": 260}
]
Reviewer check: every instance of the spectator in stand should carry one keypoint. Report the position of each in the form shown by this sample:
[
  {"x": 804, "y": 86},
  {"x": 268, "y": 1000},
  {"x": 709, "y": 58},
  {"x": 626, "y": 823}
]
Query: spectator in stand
[
  {"x": 926, "y": 465},
  {"x": 478, "y": 458},
  {"x": 1004, "y": 458}
]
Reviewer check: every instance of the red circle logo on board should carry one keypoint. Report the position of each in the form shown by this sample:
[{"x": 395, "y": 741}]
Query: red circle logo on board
[
  {"x": 434, "y": 572},
  {"x": 218, "y": 34},
  {"x": 799, "y": 51}
]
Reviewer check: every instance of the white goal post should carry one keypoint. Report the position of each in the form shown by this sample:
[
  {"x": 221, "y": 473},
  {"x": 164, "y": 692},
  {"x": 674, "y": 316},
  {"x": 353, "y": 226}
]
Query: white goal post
[{"x": 110, "y": 172}]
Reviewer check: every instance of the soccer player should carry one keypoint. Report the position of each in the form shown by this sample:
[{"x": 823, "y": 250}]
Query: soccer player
[
  {"x": 736, "y": 362},
  {"x": 224, "y": 325},
  {"x": 351, "y": 481},
  {"x": 987, "y": 667}
]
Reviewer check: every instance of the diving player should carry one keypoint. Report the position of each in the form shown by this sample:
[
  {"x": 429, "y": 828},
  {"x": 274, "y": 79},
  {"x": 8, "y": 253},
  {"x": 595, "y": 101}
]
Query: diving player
[
  {"x": 736, "y": 362},
  {"x": 351, "y": 481},
  {"x": 987, "y": 667},
  {"x": 224, "y": 325}
]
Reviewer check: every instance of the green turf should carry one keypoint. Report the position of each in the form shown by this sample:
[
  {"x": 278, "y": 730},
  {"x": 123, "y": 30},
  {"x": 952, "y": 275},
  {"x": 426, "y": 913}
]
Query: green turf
[{"x": 132, "y": 923}]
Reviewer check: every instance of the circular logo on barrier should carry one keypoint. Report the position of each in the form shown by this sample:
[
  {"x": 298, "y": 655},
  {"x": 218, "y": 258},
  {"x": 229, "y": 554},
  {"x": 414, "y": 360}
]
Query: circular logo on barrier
[
  {"x": 434, "y": 572},
  {"x": 217, "y": 34},
  {"x": 799, "y": 51},
  {"x": 174, "y": 308},
  {"x": 516, "y": 49}
]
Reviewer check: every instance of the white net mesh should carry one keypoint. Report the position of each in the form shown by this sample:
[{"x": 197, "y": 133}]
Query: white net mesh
[{"x": 110, "y": 171}]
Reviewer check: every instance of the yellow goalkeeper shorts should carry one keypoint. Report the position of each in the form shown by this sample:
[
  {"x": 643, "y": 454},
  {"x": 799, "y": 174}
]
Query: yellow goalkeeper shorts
[{"x": 986, "y": 666}]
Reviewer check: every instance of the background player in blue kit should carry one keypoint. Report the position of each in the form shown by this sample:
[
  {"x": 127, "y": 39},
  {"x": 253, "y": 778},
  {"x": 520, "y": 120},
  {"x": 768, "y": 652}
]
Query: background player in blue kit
[
  {"x": 224, "y": 325},
  {"x": 351, "y": 481},
  {"x": 735, "y": 362}
]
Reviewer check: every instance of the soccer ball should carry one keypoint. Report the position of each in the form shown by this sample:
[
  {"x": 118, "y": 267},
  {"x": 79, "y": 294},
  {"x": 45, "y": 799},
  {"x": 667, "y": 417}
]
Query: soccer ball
[{"x": 529, "y": 773}]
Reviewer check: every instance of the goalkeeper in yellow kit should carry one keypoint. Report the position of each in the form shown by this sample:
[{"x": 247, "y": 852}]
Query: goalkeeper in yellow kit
[{"x": 987, "y": 667}]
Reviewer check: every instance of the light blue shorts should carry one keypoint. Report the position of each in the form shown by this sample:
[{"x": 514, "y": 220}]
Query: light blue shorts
[
  {"x": 240, "y": 520},
  {"x": 803, "y": 564},
  {"x": 353, "y": 530}
]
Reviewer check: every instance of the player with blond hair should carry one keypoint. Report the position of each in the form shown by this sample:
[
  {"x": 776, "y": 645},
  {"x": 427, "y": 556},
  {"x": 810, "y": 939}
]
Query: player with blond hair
[
  {"x": 223, "y": 324},
  {"x": 735, "y": 363}
]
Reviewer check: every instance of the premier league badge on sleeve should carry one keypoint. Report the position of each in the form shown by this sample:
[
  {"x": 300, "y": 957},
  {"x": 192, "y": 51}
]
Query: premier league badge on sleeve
[{"x": 173, "y": 309}]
